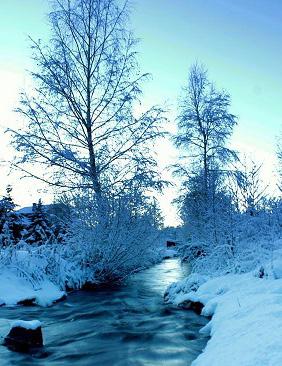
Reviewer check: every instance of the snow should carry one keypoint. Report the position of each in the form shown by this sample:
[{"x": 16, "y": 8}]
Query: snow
[
  {"x": 14, "y": 289},
  {"x": 31, "y": 324},
  {"x": 25, "y": 210},
  {"x": 246, "y": 323},
  {"x": 28, "y": 210}
]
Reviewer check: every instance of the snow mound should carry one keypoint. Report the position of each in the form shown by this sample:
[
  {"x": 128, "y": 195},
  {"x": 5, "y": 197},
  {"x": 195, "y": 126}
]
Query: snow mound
[
  {"x": 246, "y": 324},
  {"x": 15, "y": 290},
  {"x": 273, "y": 269},
  {"x": 30, "y": 324}
]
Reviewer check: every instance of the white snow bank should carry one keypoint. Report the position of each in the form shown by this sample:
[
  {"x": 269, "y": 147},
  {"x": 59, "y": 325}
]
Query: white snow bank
[
  {"x": 14, "y": 289},
  {"x": 246, "y": 324},
  {"x": 30, "y": 324}
]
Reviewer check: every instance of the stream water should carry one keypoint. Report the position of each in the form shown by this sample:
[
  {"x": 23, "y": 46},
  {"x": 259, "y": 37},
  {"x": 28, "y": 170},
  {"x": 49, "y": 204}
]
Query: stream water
[{"x": 127, "y": 326}]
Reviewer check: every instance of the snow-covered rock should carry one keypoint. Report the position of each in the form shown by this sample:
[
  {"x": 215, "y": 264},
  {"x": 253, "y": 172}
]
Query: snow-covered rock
[
  {"x": 246, "y": 324},
  {"x": 24, "y": 336}
]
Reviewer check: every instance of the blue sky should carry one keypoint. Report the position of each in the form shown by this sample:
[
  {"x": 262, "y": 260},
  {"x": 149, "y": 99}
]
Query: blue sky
[{"x": 238, "y": 41}]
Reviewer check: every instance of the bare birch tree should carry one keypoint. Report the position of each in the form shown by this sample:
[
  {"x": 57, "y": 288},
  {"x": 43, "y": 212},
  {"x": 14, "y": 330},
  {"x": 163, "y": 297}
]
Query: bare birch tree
[
  {"x": 204, "y": 127},
  {"x": 247, "y": 187},
  {"x": 80, "y": 125},
  {"x": 204, "y": 123}
]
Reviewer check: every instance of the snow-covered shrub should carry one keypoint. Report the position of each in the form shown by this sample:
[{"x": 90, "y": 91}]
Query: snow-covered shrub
[
  {"x": 229, "y": 224},
  {"x": 35, "y": 264},
  {"x": 254, "y": 240},
  {"x": 107, "y": 238},
  {"x": 208, "y": 216},
  {"x": 113, "y": 238},
  {"x": 189, "y": 284}
]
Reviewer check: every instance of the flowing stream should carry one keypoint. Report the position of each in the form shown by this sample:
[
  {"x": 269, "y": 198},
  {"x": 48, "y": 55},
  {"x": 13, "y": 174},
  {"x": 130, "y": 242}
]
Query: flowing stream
[{"x": 127, "y": 326}]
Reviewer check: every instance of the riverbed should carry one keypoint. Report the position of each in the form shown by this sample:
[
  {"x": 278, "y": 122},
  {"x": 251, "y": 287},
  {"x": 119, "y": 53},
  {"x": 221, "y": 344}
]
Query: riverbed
[{"x": 124, "y": 326}]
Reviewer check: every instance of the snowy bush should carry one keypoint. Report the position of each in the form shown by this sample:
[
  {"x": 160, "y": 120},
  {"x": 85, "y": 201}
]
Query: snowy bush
[
  {"x": 229, "y": 225},
  {"x": 99, "y": 240},
  {"x": 249, "y": 243},
  {"x": 120, "y": 240},
  {"x": 189, "y": 284}
]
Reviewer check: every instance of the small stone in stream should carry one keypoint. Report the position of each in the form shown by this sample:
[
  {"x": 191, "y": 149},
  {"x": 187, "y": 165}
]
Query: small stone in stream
[
  {"x": 191, "y": 305},
  {"x": 24, "y": 336},
  {"x": 197, "y": 307}
]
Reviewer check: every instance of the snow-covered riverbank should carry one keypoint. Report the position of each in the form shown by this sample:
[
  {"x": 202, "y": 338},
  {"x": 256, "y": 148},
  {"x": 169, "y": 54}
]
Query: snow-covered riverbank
[
  {"x": 27, "y": 278},
  {"x": 246, "y": 311},
  {"x": 15, "y": 290}
]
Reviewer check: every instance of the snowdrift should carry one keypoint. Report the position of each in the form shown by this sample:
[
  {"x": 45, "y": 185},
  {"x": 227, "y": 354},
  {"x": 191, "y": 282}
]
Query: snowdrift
[{"x": 246, "y": 315}]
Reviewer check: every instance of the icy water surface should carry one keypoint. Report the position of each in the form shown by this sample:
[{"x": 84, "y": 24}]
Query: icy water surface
[{"x": 128, "y": 326}]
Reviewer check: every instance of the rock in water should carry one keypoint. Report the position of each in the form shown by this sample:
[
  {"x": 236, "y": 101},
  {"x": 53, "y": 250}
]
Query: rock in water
[
  {"x": 24, "y": 336},
  {"x": 192, "y": 305}
]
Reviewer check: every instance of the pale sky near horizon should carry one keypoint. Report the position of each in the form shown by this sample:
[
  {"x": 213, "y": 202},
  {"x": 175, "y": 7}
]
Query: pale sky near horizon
[{"x": 239, "y": 42}]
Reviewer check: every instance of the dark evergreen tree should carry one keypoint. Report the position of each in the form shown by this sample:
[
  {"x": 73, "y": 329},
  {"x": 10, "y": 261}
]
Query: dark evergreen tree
[
  {"x": 40, "y": 229},
  {"x": 11, "y": 225},
  {"x": 7, "y": 205}
]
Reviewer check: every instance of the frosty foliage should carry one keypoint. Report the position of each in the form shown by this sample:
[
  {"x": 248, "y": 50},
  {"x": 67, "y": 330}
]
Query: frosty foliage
[
  {"x": 229, "y": 223},
  {"x": 208, "y": 220},
  {"x": 189, "y": 284},
  {"x": 118, "y": 241},
  {"x": 82, "y": 133},
  {"x": 103, "y": 241},
  {"x": 204, "y": 124},
  {"x": 218, "y": 238},
  {"x": 81, "y": 129}
]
